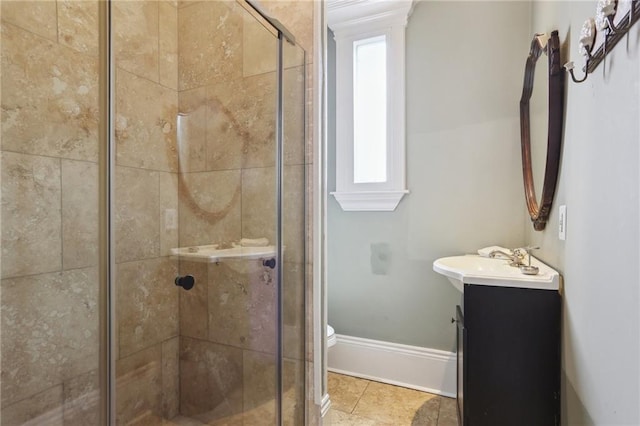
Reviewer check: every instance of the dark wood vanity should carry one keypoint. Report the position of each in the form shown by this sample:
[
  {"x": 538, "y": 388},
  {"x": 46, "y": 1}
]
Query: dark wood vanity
[{"x": 508, "y": 356}]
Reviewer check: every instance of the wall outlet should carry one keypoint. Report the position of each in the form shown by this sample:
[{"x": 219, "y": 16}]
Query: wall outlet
[
  {"x": 170, "y": 219},
  {"x": 562, "y": 222}
]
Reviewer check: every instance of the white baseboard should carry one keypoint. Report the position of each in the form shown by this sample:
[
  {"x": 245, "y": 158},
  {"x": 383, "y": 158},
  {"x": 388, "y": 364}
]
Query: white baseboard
[{"x": 414, "y": 367}]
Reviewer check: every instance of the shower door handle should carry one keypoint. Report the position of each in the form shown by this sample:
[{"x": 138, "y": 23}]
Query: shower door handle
[
  {"x": 187, "y": 281},
  {"x": 270, "y": 263}
]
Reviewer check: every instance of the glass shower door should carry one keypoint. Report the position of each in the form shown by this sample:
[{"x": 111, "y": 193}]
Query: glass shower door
[
  {"x": 293, "y": 208},
  {"x": 198, "y": 306},
  {"x": 227, "y": 210}
]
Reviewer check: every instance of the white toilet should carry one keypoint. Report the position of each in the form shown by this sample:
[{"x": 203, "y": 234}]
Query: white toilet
[{"x": 331, "y": 336}]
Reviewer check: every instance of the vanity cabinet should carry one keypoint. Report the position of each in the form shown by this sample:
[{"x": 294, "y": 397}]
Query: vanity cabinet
[{"x": 508, "y": 356}]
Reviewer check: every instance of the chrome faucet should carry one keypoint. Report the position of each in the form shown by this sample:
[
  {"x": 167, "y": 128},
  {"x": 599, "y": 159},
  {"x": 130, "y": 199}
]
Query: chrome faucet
[{"x": 515, "y": 258}]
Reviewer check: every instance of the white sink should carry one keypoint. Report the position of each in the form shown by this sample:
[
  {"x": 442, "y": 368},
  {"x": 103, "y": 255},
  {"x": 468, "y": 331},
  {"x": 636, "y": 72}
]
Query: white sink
[{"x": 474, "y": 269}]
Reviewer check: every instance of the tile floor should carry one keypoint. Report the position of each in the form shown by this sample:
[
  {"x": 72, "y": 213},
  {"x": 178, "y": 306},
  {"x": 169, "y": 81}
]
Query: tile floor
[{"x": 359, "y": 402}]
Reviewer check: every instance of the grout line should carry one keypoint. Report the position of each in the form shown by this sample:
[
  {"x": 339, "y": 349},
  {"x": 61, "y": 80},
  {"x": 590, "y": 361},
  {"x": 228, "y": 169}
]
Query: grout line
[
  {"x": 360, "y": 397},
  {"x": 57, "y": 24},
  {"x": 61, "y": 214}
]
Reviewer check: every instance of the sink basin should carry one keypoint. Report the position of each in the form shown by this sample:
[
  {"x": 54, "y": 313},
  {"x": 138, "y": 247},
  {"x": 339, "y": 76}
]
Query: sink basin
[{"x": 474, "y": 269}]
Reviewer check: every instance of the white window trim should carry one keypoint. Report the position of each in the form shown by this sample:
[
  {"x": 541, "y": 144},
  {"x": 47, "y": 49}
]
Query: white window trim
[{"x": 352, "y": 20}]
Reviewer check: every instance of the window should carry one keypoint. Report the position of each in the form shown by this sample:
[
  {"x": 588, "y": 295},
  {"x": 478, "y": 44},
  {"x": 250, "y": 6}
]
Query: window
[
  {"x": 370, "y": 110},
  {"x": 370, "y": 129}
]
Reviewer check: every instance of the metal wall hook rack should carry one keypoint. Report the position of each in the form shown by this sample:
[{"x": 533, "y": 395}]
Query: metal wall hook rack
[{"x": 612, "y": 35}]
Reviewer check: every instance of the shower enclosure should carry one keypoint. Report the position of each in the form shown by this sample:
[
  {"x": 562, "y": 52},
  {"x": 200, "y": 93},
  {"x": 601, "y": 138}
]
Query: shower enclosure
[{"x": 153, "y": 215}]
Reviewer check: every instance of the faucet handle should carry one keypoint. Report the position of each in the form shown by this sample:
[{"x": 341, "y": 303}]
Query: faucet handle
[
  {"x": 528, "y": 269},
  {"x": 519, "y": 253},
  {"x": 528, "y": 250}
]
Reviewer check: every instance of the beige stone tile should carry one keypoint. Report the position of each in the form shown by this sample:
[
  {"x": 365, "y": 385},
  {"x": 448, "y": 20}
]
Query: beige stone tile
[
  {"x": 147, "y": 303},
  {"x": 49, "y": 97},
  {"x": 191, "y": 131},
  {"x": 139, "y": 386},
  {"x": 259, "y": 204},
  {"x": 448, "y": 415},
  {"x": 147, "y": 418},
  {"x": 210, "y": 380},
  {"x": 262, "y": 415},
  {"x": 31, "y": 217},
  {"x": 309, "y": 213},
  {"x": 38, "y": 17},
  {"x": 293, "y": 227},
  {"x": 225, "y": 136},
  {"x": 44, "y": 408},
  {"x": 194, "y": 304},
  {"x": 240, "y": 419},
  {"x": 293, "y": 288},
  {"x": 293, "y": 311},
  {"x": 135, "y": 28},
  {"x": 311, "y": 143},
  {"x": 259, "y": 51},
  {"x": 243, "y": 294},
  {"x": 82, "y": 400},
  {"x": 293, "y": 397},
  {"x": 294, "y": 55},
  {"x": 60, "y": 311},
  {"x": 259, "y": 381},
  {"x": 312, "y": 416},
  {"x": 182, "y": 421},
  {"x": 394, "y": 405},
  {"x": 209, "y": 207},
  {"x": 168, "y": 54},
  {"x": 297, "y": 17},
  {"x": 428, "y": 413},
  {"x": 210, "y": 43},
  {"x": 137, "y": 221},
  {"x": 309, "y": 313},
  {"x": 79, "y": 214},
  {"x": 345, "y": 391},
  {"x": 185, "y": 3},
  {"x": 293, "y": 90},
  {"x": 340, "y": 418},
  {"x": 78, "y": 25},
  {"x": 293, "y": 341},
  {"x": 168, "y": 203},
  {"x": 171, "y": 377},
  {"x": 241, "y": 121},
  {"x": 145, "y": 124}
]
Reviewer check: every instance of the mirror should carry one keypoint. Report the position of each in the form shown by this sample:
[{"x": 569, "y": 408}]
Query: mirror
[
  {"x": 539, "y": 122},
  {"x": 544, "y": 158}
]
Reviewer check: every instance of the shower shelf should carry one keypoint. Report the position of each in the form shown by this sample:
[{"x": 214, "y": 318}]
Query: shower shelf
[{"x": 212, "y": 254}]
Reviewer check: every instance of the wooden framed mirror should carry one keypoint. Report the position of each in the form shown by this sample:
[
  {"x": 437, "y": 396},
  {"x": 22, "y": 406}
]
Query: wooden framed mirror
[{"x": 543, "y": 48}]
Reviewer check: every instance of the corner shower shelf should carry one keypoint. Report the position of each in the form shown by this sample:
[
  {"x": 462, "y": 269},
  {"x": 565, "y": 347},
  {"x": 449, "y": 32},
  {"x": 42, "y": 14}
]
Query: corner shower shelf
[{"x": 212, "y": 254}]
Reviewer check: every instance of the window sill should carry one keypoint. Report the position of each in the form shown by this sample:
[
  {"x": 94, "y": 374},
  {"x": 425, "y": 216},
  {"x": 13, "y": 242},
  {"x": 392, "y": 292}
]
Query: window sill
[{"x": 369, "y": 201}]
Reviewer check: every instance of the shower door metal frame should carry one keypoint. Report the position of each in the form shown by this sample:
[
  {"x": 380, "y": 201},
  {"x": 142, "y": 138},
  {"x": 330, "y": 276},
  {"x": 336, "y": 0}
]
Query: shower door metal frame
[
  {"x": 106, "y": 259},
  {"x": 284, "y": 35}
]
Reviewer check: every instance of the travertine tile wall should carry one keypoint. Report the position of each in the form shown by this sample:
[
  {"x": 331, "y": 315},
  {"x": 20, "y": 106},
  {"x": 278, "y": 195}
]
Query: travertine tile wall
[
  {"x": 146, "y": 185},
  {"x": 171, "y": 345},
  {"x": 49, "y": 294}
]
